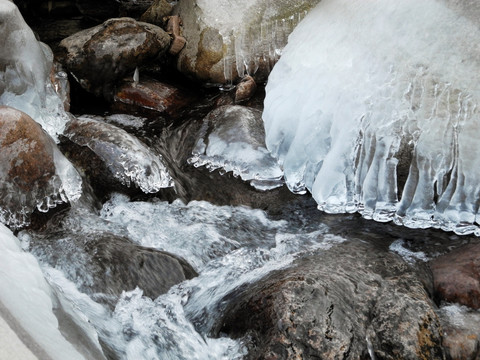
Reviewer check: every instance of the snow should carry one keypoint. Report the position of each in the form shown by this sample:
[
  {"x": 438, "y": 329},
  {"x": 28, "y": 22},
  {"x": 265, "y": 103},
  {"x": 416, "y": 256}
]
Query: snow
[
  {"x": 367, "y": 93},
  {"x": 28, "y": 298}
]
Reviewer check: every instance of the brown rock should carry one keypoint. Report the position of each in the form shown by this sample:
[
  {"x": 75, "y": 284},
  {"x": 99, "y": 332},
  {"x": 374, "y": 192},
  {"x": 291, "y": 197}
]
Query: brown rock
[
  {"x": 245, "y": 89},
  {"x": 99, "y": 56},
  {"x": 173, "y": 28},
  {"x": 150, "y": 97},
  {"x": 457, "y": 276},
  {"x": 157, "y": 12},
  {"x": 28, "y": 178}
]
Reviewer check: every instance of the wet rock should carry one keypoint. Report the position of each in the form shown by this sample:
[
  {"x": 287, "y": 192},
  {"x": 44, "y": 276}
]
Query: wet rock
[
  {"x": 33, "y": 172},
  {"x": 457, "y": 276},
  {"x": 245, "y": 89},
  {"x": 103, "y": 265},
  {"x": 98, "y": 11},
  {"x": 461, "y": 327},
  {"x": 133, "y": 8},
  {"x": 157, "y": 12},
  {"x": 226, "y": 40},
  {"x": 99, "y": 56},
  {"x": 343, "y": 303},
  {"x": 112, "y": 159},
  {"x": 150, "y": 97},
  {"x": 173, "y": 28}
]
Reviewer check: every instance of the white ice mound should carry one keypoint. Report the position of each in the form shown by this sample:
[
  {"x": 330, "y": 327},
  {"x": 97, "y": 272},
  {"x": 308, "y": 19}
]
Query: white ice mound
[
  {"x": 27, "y": 299},
  {"x": 232, "y": 139},
  {"x": 373, "y": 107},
  {"x": 128, "y": 159},
  {"x": 25, "y": 70}
]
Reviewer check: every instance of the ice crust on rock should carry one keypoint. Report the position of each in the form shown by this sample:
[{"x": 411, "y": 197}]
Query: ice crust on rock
[
  {"x": 232, "y": 139},
  {"x": 25, "y": 71},
  {"x": 28, "y": 298},
  {"x": 373, "y": 107},
  {"x": 128, "y": 159}
]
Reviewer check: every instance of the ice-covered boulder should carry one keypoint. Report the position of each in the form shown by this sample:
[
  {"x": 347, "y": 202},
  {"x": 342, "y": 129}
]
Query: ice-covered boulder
[
  {"x": 114, "y": 156},
  {"x": 99, "y": 56},
  {"x": 33, "y": 172},
  {"x": 25, "y": 72},
  {"x": 232, "y": 139},
  {"x": 373, "y": 107},
  {"x": 227, "y": 39}
]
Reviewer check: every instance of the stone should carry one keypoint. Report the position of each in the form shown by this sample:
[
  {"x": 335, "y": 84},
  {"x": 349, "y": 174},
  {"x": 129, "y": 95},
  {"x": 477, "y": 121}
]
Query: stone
[
  {"x": 157, "y": 12},
  {"x": 108, "y": 264},
  {"x": 98, "y": 11},
  {"x": 227, "y": 40},
  {"x": 457, "y": 276},
  {"x": 34, "y": 175},
  {"x": 100, "y": 56},
  {"x": 112, "y": 159},
  {"x": 150, "y": 97},
  {"x": 245, "y": 89},
  {"x": 352, "y": 301}
]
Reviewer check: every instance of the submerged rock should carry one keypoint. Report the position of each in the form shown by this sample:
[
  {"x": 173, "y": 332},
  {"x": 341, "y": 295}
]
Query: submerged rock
[
  {"x": 33, "y": 172},
  {"x": 98, "y": 57},
  {"x": 352, "y": 301},
  {"x": 457, "y": 276},
  {"x": 112, "y": 158},
  {"x": 228, "y": 39},
  {"x": 103, "y": 265}
]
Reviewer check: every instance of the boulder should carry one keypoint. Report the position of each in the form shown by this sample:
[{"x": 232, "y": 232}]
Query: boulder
[
  {"x": 106, "y": 264},
  {"x": 149, "y": 97},
  {"x": 33, "y": 173},
  {"x": 112, "y": 159},
  {"x": 98, "y": 57},
  {"x": 352, "y": 301},
  {"x": 227, "y": 40},
  {"x": 457, "y": 276}
]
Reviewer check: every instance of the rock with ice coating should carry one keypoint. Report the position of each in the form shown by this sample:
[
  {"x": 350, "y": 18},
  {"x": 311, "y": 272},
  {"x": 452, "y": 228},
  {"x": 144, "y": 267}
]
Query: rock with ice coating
[
  {"x": 232, "y": 139},
  {"x": 27, "y": 298},
  {"x": 373, "y": 107},
  {"x": 33, "y": 172},
  {"x": 227, "y": 39},
  {"x": 121, "y": 156},
  {"x": 25, "y": 70}
]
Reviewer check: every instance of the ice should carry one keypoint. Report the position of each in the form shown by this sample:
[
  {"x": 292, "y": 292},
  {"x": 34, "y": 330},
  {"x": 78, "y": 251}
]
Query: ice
[
  {"x": 373, "y": 108},
  {"x": 128, "y": 159},
  {"x": 28, "y": 298},
  {"x": 232, "y": 139},
  {"x": 398, "y": 246},
  {"x": 25, "y": 70}
]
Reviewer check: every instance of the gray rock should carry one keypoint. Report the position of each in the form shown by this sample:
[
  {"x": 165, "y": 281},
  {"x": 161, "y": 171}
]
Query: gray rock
[
  {"x": 99, "y": 56},
  {"x": 349, "y": 302},
  {"x": 227, "y": 40}
]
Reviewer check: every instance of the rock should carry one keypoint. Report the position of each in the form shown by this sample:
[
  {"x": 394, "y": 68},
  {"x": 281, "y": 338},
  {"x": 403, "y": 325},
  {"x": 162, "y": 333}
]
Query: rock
[
  {"x": 112, "y": 159},
  {"x": 157, "y": 12},
  {"x": 99, "y": 56},
  {"x": 98, "y": 11},
  {"x": 133, "y": 8},
  {"x": 173, "y": 28},
  {"x": 232, "y": 139},
  {"x": 106, "y": 264},
  {"x": 150, "y": 97},
  {"x": 226, "y": 39},
  {"x": 461, "y": 337},
  {"x": 245, "y": 89},
  {"x": 457, "y": 276},
  {"x": 33, "y": 173},
  {"x": 347, "y": 302}
]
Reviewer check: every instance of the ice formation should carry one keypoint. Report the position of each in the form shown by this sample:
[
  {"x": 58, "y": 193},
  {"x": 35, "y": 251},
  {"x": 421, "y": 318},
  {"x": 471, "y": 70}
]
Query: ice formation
[
  {"x": 232, "y": 139},
  {"x": 28, "y": 299},
  {"x": 128, "y": 159},
  {"x": 373, "y": 108},
  {"x": 25, "y": 72}
]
